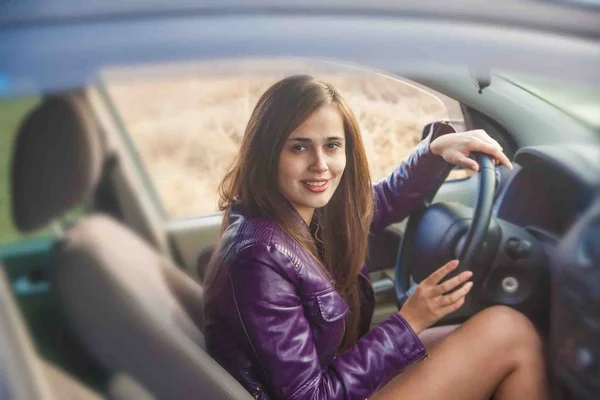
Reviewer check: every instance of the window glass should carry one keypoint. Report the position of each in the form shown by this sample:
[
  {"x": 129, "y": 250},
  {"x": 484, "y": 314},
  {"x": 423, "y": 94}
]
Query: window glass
[
  {"x": 187, "y": 123},
  {"x": 12, "y": 113}
]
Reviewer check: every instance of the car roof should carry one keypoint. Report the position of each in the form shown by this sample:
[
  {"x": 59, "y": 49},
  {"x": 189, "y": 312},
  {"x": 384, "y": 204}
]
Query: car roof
[
  {"x": 556, "y": 17},
  {"x": 59, "y": 45}
]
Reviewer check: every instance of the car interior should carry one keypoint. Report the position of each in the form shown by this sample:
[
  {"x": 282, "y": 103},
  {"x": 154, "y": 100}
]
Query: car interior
[
  {"x": 115, "y": 309},
  {"x": 107, "y": 302}
]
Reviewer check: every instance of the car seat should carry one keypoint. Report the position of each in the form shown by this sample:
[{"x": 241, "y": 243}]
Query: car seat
[{"x": 132, "y": 308}]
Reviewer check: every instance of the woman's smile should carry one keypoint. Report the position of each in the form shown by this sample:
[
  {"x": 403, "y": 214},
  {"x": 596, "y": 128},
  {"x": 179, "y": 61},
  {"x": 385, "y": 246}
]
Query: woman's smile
[{"x": 317, "y": 185}]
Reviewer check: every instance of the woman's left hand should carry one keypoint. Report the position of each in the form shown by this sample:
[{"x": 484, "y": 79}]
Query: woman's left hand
[{"x": 455, "y": 148}]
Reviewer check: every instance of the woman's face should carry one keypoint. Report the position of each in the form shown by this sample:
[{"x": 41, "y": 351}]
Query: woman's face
[{"x": 312, "y": 161}]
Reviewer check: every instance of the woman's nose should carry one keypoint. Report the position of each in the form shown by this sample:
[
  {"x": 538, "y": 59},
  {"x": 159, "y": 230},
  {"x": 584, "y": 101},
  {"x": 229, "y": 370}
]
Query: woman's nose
[{"x": 319, "y": 163}]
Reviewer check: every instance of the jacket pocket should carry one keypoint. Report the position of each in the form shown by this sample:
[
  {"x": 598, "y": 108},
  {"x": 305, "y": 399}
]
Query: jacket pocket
[
  {"x": 252, "y": 384},
  {"x": 332, "y": 306},
  {"x": 326, "y": 313}
]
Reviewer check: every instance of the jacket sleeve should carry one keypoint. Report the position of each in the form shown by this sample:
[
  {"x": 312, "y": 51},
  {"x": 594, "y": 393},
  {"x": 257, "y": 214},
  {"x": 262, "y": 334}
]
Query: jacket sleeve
[
  {"x": 396, "y": 196},
  {"x": 279, "y": 338}
]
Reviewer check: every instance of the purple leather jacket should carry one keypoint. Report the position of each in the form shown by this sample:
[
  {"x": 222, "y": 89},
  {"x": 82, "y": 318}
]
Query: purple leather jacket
[{"x": 274, "y": 320}]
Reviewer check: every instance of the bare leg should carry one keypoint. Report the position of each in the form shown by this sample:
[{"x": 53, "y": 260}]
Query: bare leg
[
  {"x": 496, "y": 351},
  {"x": 433, "y": 336}
]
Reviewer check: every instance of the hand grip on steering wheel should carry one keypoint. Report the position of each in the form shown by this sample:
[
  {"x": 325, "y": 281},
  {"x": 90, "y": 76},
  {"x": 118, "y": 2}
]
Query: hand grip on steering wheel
[{"x": 483, "y": 211}]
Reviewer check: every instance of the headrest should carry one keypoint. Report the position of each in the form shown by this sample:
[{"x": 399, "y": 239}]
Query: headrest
[{"x": 57, "y": 161}]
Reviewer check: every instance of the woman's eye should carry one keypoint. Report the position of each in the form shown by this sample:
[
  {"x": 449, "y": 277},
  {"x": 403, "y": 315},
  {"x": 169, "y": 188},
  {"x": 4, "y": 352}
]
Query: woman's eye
[
  {"x": 299, "y": 147},
  {"x": 333, "y": 145}
]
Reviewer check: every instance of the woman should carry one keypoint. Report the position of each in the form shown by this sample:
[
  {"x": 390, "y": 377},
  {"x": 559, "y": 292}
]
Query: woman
[{"x": 288, "y": 301}]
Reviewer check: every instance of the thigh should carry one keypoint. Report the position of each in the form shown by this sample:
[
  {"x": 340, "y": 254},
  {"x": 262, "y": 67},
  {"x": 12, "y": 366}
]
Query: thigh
[
  {"x": 461, "y": 365},
  {"x": 433, "y": 336}
]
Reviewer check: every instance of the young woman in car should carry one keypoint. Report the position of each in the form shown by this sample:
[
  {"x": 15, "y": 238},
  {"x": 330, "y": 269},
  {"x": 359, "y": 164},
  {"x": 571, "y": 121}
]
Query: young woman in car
[{"x": 288, "y": 299}]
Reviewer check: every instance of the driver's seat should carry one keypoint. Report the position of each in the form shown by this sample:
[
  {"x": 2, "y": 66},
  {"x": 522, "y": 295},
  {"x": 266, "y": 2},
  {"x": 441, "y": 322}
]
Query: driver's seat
[{"x": 135, "y": 311}]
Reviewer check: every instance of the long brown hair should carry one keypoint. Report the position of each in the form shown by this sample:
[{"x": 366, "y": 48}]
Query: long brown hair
[{"x": 338, "y": 234}]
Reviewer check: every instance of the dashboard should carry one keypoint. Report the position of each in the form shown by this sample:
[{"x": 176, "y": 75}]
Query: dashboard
[
  {"x": 549, "y": 189},
  {"x": 554, "y": 192},
  {"x": 575, "y": 310}
]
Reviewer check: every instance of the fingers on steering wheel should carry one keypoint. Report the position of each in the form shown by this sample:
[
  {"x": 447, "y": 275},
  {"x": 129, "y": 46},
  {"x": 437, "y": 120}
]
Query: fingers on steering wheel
[
  {"x": 481, "y": 134},
  {"x": 469, "y": 163},
  {"x": 493, "y": 150}
]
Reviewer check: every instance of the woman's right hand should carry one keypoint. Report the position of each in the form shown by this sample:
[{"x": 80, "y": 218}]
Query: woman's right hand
[{"x": 429, "y": 303}]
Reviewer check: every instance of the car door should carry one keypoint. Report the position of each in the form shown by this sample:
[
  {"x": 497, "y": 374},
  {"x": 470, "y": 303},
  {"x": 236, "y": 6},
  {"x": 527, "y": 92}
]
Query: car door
[
  {"x": 182, "y": 142},
  {"x": 23, "y": 290},
  {"x": 21, "y": 373}
]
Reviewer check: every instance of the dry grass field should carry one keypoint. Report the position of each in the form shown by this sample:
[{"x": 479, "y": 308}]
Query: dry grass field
[{"x": 187, "y": 129}]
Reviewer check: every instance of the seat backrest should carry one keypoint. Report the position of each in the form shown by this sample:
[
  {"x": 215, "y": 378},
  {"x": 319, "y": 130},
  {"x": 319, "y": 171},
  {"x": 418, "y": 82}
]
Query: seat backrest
[
  {"x": 132, "y": 308},
  {"x": 57, "y": 162},
  {"x": 137, "y": 312}
]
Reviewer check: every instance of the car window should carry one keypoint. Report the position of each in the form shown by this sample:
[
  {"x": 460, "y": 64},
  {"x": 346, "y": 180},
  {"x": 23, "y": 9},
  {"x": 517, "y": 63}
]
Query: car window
[
  {"x": 12, "y": 112},
  {"x": 187, "y": 127}
]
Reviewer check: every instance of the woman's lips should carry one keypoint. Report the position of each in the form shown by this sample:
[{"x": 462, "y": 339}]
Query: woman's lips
[{"x": 317, "y": 186}]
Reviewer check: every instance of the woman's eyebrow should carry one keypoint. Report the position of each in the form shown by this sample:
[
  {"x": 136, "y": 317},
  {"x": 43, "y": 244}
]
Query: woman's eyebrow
[
  {"x": 307, "y": 140},
  {"x": 300, "y": 139}
]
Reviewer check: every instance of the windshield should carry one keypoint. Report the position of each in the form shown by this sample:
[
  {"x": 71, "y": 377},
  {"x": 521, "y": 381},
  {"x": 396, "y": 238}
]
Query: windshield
[{"x": 580, "y": 101}]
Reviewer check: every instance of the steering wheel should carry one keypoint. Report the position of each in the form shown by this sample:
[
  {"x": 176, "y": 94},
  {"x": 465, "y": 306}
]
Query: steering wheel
[{"x": 453, "y": 241}]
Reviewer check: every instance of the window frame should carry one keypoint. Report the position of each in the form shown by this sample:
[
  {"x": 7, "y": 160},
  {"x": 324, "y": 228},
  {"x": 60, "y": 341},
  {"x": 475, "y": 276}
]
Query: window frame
[{"x": 132, "y": 150}]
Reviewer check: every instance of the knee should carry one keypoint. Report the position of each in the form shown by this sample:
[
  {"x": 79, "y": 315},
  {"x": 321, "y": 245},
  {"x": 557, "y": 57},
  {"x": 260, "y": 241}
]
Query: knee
[{"x": 510, "y": 332}]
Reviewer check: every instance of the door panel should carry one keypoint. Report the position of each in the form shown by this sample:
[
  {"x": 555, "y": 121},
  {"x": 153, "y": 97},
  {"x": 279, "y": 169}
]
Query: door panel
[
  {"x": 27, "y": 266},
  {"x": 194, "y": 239},
  {"x": 21, "y": 376},
  {"x": 26, "y": 373},
  {"x": 24, "y": 260}
]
